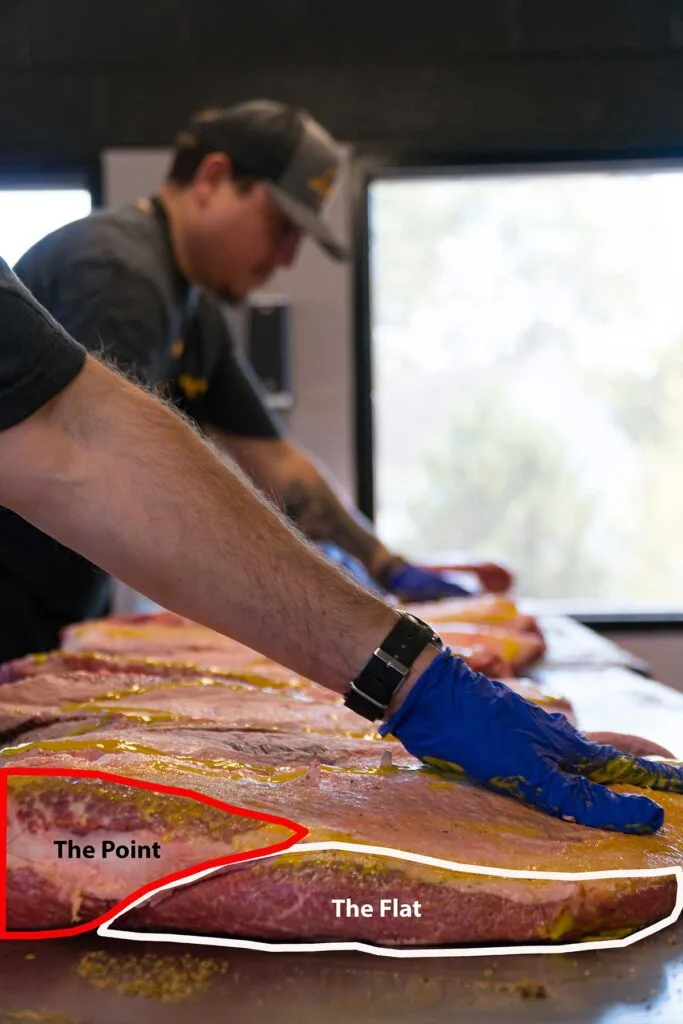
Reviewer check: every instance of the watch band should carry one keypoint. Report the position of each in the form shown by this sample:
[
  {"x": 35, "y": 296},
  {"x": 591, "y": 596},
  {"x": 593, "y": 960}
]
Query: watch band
[{"x": 371, "y": 691}]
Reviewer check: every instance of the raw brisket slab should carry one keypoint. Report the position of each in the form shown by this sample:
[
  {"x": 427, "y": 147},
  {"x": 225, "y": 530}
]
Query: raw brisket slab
[
  {"x": 517, "y": 649},
  {"x": 163, "y": 635},
  {"x": 86, "y": 696},
  {"x": 345, "y": 789},
  {"x": 62, "y": 661},
  {"x": 177, "y": 695},
  {"x": 487, "y": 610},
  {"x": 167, "y": 635}
]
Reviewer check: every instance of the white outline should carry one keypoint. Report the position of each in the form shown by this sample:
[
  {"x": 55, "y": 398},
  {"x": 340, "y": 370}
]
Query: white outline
[{"x": 105, "y": 930}]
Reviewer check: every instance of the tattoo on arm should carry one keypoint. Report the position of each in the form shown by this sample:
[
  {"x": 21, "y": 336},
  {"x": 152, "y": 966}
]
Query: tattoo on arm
[{"x": 320, "y": 514}]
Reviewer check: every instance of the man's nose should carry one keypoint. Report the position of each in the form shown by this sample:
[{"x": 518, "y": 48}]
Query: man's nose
[{"x": 287, "y": 249}]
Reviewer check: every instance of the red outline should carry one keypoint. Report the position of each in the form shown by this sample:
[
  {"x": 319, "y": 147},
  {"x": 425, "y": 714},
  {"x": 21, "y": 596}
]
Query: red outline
[
  {"x": 298, "y": 833},
  {"x": 3, "y": 852}
]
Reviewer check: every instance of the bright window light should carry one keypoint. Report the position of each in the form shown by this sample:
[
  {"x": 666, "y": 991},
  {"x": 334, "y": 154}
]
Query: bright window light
[
  {"x": 527, "y": 349},
  {"x": 27, "y": 215}
]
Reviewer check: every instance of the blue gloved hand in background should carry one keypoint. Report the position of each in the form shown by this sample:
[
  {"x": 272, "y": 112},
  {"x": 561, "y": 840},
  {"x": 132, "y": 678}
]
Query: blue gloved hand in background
[
  {"x": 454, "y": 717},
  {"x": 413, "y": 583},
  {"x": 352, "y": 565}
]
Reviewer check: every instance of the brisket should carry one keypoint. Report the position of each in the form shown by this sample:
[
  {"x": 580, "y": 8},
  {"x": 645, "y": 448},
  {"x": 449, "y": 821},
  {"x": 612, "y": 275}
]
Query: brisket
[
  {"x": 148, "y": 705},
  {"x": 178, "y": 696},
  {"x": 496, "y": 651},
  {"x": 346, "y": 789}
]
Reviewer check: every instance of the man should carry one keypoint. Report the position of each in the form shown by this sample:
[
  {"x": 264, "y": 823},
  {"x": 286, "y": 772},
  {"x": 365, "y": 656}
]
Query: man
[
  {"x": 141, "y": 285},
  {"x": 111, "y": 472}
]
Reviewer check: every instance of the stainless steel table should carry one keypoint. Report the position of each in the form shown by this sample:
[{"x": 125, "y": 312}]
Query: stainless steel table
[
  {"x": 572, "y": 645},
  {"x": 98, "y": 982},
  {"x": 603, "y": 687}
]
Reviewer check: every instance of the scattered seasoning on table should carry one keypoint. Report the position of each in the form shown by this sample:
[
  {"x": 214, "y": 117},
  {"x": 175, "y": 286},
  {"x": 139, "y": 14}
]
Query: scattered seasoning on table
[
  {"x": 524, "y": 989},
  {"x": 165, "y": 977}
]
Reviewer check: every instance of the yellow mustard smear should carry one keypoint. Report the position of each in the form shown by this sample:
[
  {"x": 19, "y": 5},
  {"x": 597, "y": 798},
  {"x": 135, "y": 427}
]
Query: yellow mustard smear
[
  {"x": 621, "y": 769},
  {"x": 186, "y": 762},
  {"x": 289, "y": 680},
  {"x": 40, "y": 659},
  {"x": 148, "y": 716},
  {"x": 113, "y": 696},
  {"x": 448, "y": 767},
  {"x": 566, "y": 919},
  {"x": 100, "y": 702}
]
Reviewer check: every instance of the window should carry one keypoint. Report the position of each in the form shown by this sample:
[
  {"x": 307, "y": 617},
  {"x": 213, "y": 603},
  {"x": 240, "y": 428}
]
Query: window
[
  {"x": 27, "y": 214},
  {"x": 527, "y": 364}
]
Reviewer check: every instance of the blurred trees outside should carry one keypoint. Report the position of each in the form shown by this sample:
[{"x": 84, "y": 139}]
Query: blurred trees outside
[{"x": 528, "y": 375}]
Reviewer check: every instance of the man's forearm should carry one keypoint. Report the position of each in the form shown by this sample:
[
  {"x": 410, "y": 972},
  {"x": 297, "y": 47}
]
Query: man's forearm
[
  {"x": 112, "y": 473},
  {"x": 313, "y": 504},
  {"x": 307, "y": 495}
]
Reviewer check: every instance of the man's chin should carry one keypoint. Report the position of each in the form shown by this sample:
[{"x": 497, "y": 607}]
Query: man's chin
[
  {"x": 235, "y": 294},
  {"x": 262, "y": 275},
  {"x": 230, "y": 297}
]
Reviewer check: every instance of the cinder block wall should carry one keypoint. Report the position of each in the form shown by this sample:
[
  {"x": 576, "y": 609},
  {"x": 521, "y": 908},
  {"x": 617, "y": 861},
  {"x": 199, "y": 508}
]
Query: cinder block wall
[{"x": 77, "y": 77}]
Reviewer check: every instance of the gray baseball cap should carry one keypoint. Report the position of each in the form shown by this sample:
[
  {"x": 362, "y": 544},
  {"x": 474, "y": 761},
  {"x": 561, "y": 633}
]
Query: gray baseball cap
[{"x": 284, "y": 147}]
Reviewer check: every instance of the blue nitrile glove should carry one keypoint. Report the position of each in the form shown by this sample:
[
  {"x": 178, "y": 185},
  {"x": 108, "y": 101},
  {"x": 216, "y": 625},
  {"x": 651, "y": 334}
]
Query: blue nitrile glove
[
  {"x": 456, "y": 718},
  {"x": 411, "y": 583},
  {"x": 352, "y": 565}
]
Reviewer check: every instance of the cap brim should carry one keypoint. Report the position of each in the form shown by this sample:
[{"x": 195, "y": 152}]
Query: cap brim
[{"x": 309, "y": 222}]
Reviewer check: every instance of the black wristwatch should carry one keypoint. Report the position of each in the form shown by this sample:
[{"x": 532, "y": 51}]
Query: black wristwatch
[{"x": 371, "y": 691}]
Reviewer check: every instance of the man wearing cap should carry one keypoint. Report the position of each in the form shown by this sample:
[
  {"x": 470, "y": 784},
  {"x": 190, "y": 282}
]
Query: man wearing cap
[{"x": 142, "y": 286}]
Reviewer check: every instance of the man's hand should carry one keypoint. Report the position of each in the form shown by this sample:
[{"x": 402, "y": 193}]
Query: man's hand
[
  {"x": 431, "y": 583},
  {"x": 353, "y": 566},
  {"x": 413, "y": 583},
  {"x": 453, "y": 717},
  {"x": 493, "y": 578}
]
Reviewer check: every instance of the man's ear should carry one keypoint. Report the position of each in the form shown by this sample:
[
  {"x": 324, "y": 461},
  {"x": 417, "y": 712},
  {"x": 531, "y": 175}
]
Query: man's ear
[{"x": 213, "y": 171}]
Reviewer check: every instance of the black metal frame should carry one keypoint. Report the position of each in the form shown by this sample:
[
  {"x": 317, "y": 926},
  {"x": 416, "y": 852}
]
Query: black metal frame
[{"x": 370, "y": 165}]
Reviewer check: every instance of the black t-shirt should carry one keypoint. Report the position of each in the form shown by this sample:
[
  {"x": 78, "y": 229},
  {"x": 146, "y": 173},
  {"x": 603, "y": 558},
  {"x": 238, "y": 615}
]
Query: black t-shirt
[
  {"x": 37, "y": 361},
  {"x": 37, "y": 357},
  {"x": 111, "y": 282}
]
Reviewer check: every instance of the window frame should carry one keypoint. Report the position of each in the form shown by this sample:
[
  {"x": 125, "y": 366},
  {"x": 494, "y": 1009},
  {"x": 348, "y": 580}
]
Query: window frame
[{"x": 392, "y": 163}]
